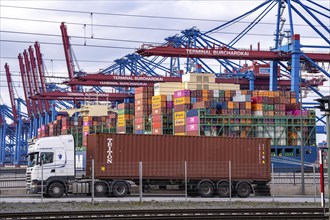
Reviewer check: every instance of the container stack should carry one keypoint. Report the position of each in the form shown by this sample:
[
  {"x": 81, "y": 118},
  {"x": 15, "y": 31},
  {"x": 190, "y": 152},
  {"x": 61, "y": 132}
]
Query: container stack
[
  {"x": 125, "y": 118},
  {"x": 192, "y": 121},
  {"x": 143, "y": 110},
  {"x": 87, "y": 126},
  {"x": 65, "y": 125},
  {"x": 181, "y": 106},
  {"x": 111, "y": 122},
  {"x": 162, "y": 118}
]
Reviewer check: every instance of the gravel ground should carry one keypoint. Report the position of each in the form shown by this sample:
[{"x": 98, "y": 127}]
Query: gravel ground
[{"x": 57, "y": 206}]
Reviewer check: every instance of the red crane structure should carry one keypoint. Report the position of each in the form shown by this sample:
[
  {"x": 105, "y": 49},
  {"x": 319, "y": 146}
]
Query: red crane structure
[
  {"x": 11, "y": 93},
  {"x": 30, "y": 82},
  {"x": 35, "y": 82},
  {"x": 25, "y": 85},
  {"x": 41, "y": 73},
  {"x": 224, "y": 53},
  {"x": 81, "y": 96},
  {"x": 67, "y": 52}
]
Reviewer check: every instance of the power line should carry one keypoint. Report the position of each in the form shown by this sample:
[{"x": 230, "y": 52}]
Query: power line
[
  {"x": 135, "y": 15},
  {"x": 133, "y": 41},
  {"x": 79, "y": 45}
]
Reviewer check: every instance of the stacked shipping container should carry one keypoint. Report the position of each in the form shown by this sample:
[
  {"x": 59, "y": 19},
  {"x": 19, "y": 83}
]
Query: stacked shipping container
[
  {"x": 125, "y": 118},
  {"x": 143, "y": 110},
  {"x": 162, "y": 114}
]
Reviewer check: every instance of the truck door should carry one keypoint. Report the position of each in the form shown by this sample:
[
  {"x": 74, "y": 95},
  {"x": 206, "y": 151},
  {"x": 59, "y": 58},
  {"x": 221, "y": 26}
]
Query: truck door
[{"x": 48, "y": 165}]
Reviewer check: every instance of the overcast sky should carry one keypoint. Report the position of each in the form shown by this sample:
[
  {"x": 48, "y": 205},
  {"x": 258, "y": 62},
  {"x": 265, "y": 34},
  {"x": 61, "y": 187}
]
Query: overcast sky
[{"x": 125, "y": 24}]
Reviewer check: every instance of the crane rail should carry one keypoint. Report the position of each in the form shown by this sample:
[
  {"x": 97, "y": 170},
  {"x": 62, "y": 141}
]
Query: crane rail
[{"x": 245, "y": 213}]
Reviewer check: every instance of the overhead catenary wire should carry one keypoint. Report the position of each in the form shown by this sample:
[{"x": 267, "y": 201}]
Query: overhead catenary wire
[{"x": 132, "y": 15}]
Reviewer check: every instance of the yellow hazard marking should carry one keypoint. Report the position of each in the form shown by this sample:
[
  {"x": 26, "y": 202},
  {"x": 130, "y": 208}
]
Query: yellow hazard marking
[{"x": 102, "y": 168}]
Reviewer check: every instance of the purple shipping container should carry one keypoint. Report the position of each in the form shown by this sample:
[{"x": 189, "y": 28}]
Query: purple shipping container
[
  {"x": 181, "y": 93},
  {"x": 169, "y": 104},
  {"x": 117, "y": 156}
]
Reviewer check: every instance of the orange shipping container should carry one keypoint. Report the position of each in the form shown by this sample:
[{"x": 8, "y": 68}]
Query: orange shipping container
[
  {"x": 230, "y": 105},
  {"x": 257, "y": 107},
  {"x": 248, "y": 105}
]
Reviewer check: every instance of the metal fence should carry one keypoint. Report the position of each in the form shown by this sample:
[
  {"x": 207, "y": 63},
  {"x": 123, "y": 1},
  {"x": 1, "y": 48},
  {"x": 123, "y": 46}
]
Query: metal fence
[{"x": 280, "y": 184}]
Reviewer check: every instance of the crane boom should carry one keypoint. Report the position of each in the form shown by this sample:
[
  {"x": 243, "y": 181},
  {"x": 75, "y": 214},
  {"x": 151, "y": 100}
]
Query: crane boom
[
  {"x": 28, "y": 74},
  {"x": 11, "y": 93},
  {"x": 81, "y": 96},
  {"x": 41, "y": 73},
  {"x": 25, "y": 85},
  {"x": 35, "y": 76},
  {"x": 67, "y": 52},
  {"x": 225, "y": 53}
]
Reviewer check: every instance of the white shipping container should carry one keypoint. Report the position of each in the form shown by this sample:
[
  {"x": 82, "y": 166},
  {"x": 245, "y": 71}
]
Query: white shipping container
[{"x": 257, "y": 113}]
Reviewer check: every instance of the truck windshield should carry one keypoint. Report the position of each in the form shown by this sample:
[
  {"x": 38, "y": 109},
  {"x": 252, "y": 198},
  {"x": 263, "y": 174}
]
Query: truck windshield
[{"x": 32, "y": 159}]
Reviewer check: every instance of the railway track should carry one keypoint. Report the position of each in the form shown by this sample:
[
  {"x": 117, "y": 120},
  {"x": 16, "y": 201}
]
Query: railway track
[{"x": 262, "y": 213}]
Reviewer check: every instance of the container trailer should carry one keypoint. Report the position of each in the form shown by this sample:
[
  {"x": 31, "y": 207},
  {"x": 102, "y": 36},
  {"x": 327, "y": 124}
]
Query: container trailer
[{"x": 207, "y": 166}]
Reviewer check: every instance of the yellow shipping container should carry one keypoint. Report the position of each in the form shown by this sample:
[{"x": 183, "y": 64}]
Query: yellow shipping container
[
  {"x": 179, "y": 115},
  {"x": 293, "y": 101},
  {"x": 182, "y": 101},
  {"x": 124, "y": 117},
  {"x": 159, "y": 98},
  {"x": 158, "y": 105},
  {"x": 121, "y": 123},
  {"x": 87, "y": 118},
  {"x": 179, "y": 122},
  {"x": 180, "y": 134}
]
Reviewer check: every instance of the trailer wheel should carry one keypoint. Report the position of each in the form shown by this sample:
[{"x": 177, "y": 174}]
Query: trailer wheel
[
  {"x": 56, "y": 190},
  {"x": 205, "y": 189},
  {"x": 100, "y": 189},
  {"x": 120, "y": 189},
  {"x": 243, "y": 190},
  {"x": 223, "y": 189}
]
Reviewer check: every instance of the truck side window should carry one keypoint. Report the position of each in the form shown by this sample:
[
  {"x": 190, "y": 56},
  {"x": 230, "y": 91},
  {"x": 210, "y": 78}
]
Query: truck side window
[{"x": 47, "y": 157}]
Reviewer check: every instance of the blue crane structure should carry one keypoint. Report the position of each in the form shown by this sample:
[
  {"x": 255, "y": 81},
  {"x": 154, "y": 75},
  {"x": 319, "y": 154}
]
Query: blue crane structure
[{"x": 193, "y": 50}]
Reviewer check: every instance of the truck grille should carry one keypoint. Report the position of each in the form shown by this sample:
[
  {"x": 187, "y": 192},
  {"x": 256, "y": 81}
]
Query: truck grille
[{"x": 28, "y": 177}]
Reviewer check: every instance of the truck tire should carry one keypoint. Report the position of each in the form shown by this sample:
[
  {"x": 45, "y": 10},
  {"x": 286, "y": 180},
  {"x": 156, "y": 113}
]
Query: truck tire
[
  {"x": 56, "y": 190},
  {"x": 205, "y": 189},
  {"x": 100, "y": 189},
  {"x": 243, "y": 190},
  {"x": 120, "y": 189},
  {"x": 223, "y": 189}
]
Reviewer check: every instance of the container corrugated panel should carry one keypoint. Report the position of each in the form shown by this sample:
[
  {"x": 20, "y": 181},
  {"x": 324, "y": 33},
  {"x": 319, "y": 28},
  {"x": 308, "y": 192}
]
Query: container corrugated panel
[{"x": 117, "y": 157}]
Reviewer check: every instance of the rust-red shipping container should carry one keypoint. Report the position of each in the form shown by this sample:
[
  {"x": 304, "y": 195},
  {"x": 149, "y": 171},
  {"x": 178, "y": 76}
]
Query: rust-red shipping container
[{"x": 117, "y": 156}]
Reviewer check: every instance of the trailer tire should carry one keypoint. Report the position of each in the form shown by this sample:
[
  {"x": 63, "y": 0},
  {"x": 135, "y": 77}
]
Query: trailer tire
[
  {"x": 56, "y": 190},
  {"x": 243, "y": 189},
  {"x": 100, "y": 189},
  {"x": 120, "y": 189},
  {"x": 205, "y": 189},
  {"x": 223, "y": 189}
]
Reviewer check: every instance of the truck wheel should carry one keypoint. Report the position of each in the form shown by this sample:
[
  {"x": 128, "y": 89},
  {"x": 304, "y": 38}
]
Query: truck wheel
[
  {"x": 223, "y": 189},
  {"x": 120, "y": 189},
  {"x": 100, "y": 189},
  {"x": 205, "y": 189},
  {"x": 243, "y": 190},
  {"x": 56, "y": 190}
]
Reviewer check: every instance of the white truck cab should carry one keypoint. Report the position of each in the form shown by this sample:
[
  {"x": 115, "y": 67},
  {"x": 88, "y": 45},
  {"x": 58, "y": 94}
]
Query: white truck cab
[{"x": 51, "y": 160}]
